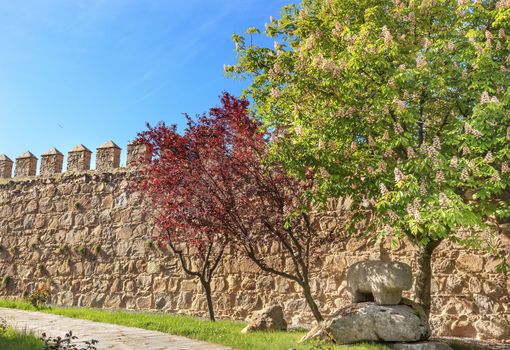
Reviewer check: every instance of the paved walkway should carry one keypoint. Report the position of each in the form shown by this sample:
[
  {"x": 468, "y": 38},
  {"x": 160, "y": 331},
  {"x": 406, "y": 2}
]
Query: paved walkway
[{"x": 110, "y": 336}]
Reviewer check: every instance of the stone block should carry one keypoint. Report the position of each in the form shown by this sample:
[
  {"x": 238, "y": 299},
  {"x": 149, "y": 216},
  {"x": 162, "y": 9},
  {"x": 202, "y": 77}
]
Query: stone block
[
  {"x": 78, "y": 159},
  {"x": 379, "y": 280},
  {"x": 26, "y": 165},
  {"x": 470, "y": 263},
  {"x": 51, "y": 162},
  {"x": 145, "y": 303},
  {"x": 463, "y": 327},
  {"x": 5, "y": 167},
  {"x": 137, "y": 154},
  {"x": 108, "y": 156}
]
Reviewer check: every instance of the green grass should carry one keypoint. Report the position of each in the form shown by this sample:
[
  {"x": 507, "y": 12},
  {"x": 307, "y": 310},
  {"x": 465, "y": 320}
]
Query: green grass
[
  {"x": 220, "y": 332},
  {"x": 12, "y": 340}
]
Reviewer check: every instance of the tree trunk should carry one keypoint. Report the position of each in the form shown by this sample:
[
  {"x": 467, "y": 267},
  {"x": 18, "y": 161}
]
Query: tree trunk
[
  {"x": 207, "y": 288},
  {"x": 424, "y": 275},
  {"x": 311, "y": 303}
]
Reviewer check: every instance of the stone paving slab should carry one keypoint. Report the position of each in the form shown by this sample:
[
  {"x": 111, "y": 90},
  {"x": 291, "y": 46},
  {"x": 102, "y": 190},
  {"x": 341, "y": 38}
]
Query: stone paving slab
[{"x": 110, "y": 336}]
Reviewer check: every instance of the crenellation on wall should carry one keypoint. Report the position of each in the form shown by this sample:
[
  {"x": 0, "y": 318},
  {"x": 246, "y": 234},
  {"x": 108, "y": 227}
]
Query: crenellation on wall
[
  {"x": 26, "y": 165},
  {"x": 108, "y": 156},
  {"x": 78, "y": 159},
  {"x": 137, "y": 153},
  {"x": 51, "y": 162},
  {"x": 85, "y": 236},
  {"x": 5, "y": 167}
]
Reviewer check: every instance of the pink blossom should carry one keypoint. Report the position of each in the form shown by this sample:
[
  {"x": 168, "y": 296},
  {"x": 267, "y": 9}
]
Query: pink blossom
[
  {"x": 410, "y": 153},
  {"x": 399, "y": 175},
  {"x": 454, "y": 162},
  {"x": 414, "y": 210},
  {"x": 420, "y": 61},
  {"x": 501, "y": 4},
  {"x": 382, "y": 166},
  {"x": 388, "y": 39},
  {"x": 488, "y": 157},
  {"x": 439, "y": 176},
  {"x": 496, "y": 177},
  {"x": 426, "y": 43},
  {"x": 464, "y": 175},
  {"x": 401, "y": 105},
  {"x": 485, "y": 98},
  {"x": 436, "y": 143},
  {"x": 443, "y": 200},
  {"x": 393, "y": 217},
  {"x": 384, "y": 190},
  {"x": 398, "y": 128},
  {"x": 275, "y": 92},
  {"x": 505, "y": 169},
  {"x": 337, "y": 31},
  {"x": 371, "y": 141},
  {"x": 389, "y": 153}
]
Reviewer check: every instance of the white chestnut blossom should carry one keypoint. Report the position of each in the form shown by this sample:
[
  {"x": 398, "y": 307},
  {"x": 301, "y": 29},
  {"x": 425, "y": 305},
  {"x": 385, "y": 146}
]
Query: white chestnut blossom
[
  {"x": 485, "y": 98},
  {"x": 398, "y": 128},
  {"x": 505, "y": 168},
  {"x": 384, "y": 190},
  {"x": 399, "y": 175},
  {"x": 436, "y": 143},
  {"x": 410, "y": 153},
  {"x": 454, "y": 162},
  {"x": 489, "y": 158},
  {"x": 464, "y": 175},
  {"x": 440, "y": 176},
  {"x": 443, "y": 200},
  {"x": 388, "y": 38}
]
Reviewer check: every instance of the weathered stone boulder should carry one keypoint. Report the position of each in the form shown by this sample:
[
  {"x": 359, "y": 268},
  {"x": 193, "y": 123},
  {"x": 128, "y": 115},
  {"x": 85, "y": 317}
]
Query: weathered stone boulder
[
  {"x": 267, "y": 319},
  {"x": 372, "y": 322},
  {"x": 424, "y": 345},
  {"x": 379, "y": 281}
]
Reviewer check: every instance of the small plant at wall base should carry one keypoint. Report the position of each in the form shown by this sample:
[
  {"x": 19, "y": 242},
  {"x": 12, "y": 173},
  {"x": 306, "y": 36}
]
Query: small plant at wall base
[
  {"x": 66, "y": 343},
  {"x": 39, "y": 297},
  {"x": 3, "y": 325},
  {"x": 6, "y": 280},
  {"x": 81, "y": 250},
  {"x": 63, "y": 249},
  {"x": 403, "y": 106}
]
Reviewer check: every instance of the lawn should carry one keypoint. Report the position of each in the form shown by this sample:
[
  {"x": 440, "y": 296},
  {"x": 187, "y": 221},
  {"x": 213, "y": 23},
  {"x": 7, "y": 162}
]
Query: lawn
[
  {"x": 220, "y": 332},
  {"x": 11, "y": 340}
]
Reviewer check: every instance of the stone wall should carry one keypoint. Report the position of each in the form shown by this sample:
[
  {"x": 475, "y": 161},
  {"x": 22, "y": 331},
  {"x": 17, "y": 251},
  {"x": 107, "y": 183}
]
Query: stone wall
[{"x": 87, "y": 237}]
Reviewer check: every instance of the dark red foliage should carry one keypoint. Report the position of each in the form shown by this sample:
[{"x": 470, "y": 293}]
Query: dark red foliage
[{"x": 211, "y": 185}]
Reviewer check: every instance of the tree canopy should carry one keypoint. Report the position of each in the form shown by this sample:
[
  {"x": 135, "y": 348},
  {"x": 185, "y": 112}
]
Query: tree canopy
[{"x": 403, "y": 105}]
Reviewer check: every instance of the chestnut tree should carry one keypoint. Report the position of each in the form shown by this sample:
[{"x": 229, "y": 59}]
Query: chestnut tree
[{"x": 404, "y": 104}]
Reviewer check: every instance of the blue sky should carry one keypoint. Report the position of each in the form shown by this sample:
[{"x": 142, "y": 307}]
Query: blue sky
[{"x": 85, "y": 71}]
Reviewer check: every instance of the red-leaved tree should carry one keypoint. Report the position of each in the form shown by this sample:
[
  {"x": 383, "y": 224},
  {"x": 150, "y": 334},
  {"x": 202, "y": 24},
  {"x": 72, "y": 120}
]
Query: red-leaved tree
[{"x": 211, "y": 186}]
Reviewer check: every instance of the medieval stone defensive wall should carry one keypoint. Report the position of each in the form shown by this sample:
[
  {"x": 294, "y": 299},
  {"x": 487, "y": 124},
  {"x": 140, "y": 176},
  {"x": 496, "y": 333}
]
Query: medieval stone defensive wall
[{"x": 87, "y": 237}]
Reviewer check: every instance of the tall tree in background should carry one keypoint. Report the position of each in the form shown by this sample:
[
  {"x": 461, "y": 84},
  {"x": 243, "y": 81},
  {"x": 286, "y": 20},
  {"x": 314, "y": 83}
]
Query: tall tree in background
[
  {"x": 211, "y": 187},
  {"x": 402, "y": 103}
]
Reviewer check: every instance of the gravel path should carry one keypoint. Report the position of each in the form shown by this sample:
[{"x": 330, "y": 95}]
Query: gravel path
[{"x": 110, "y": 336}]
